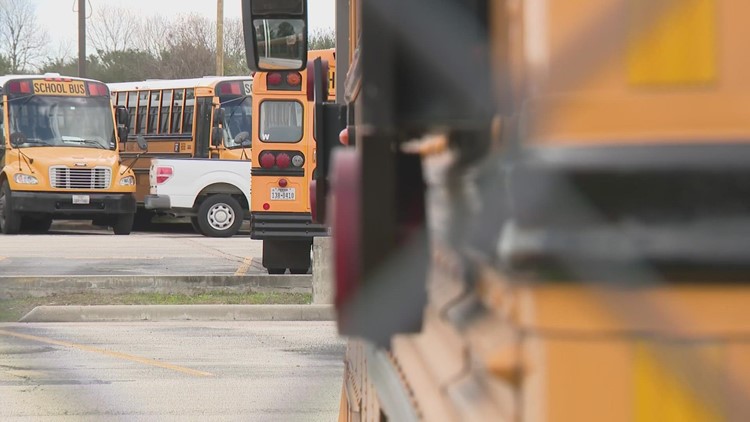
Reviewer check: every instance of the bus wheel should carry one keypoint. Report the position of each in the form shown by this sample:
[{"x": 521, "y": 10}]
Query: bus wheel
[
  {"x": 220, "y": 216},
  {"x": 276, "y": 271},
  {"x": 123, "y": 224},
  {"x": 10, "y": 220},
  {"x": 298, "y": 270},
  {"x": 37, "y": 225}
]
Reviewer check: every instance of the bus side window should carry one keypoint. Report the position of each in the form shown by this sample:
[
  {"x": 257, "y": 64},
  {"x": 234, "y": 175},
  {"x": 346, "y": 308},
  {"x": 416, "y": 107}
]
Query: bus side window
[
  {"x": 153, "y": 112},
  {"x": 132, "y": 104},
  {"x": 142, "y": 107},
  {"x": 177, "y": 110},
  {"x": 187, "y": 121},
  {"x": 2, "y": 134},
  {"x": 166, "y": 101}
]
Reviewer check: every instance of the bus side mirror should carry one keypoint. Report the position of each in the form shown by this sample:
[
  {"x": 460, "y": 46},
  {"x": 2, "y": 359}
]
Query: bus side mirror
[
  {"x": 122, "y": 133},
  {"x": 217, "y": 134},
  {"x": 218, "y": 117},
  {"x": 123, "y": 116},
  {"x": 275, "y": 34},
  {"x": 142, "y": 144}
]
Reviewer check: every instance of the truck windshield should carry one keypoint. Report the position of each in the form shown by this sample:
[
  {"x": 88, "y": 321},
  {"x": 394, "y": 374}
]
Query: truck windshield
[
  {"x": 237, "y": 119},
  {"x": 51, "y": 121}
]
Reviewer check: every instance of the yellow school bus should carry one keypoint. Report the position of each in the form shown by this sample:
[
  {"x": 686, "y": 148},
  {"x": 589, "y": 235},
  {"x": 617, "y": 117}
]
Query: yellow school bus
[
  {"x": 59, "y": 155},
  {"x": 177, "y": 118},
  {"x": 284, "y": 163},
  {"x": 544, "y": 216}
]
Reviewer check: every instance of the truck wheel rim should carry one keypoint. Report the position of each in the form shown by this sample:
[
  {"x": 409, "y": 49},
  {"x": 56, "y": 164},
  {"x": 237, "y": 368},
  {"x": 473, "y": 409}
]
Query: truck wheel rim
[{"x": 220, "y": 216}]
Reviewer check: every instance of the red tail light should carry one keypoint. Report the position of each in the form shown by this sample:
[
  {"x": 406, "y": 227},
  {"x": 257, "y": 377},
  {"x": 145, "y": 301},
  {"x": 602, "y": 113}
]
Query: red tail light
[
  {"x": 274, "y": 79},
  {"x": 282, "y": 183},
  {"x": 344, "y": 136},
  {"x": 163, "y": 173},
  {"x": 267, "y": 160},
  {"x": 283, "y": 160},
  {"x": 293, "y": 78}
]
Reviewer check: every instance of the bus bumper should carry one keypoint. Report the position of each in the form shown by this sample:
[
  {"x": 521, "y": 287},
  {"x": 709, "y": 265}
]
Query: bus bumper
[
  {"x": 62, "y": 203},
  {"x": 285, "y": 226},
  {"x": 157, "y": 202}
]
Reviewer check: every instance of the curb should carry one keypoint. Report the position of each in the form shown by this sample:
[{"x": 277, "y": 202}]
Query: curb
[
  {"x": 40, "y": 286},
  {"x": 125, "y": 313}
]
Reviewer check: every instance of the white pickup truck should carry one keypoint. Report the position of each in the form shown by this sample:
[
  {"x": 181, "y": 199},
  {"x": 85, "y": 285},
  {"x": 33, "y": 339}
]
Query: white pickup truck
[{"x": 215, "y": 194}]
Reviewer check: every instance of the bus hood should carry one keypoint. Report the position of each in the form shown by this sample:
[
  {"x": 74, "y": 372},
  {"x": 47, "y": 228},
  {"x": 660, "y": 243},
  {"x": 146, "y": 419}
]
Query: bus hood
[{"x": 71, "y": 157}]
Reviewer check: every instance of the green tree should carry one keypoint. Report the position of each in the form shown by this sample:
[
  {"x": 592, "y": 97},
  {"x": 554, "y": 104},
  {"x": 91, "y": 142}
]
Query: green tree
[{"x": 321, "y": 39}]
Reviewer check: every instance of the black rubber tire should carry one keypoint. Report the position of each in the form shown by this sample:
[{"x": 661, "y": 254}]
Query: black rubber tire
[
  {"x": 276, "y": 271},
  {"x": 298, "y": 270},
  {"x": 36, "y": 225},
  {"x": 123, "y": 224},
  {"x": 219, "y": 203},
  {"x": 196, "y": 226},
  {"x": 10, "y": 221}
]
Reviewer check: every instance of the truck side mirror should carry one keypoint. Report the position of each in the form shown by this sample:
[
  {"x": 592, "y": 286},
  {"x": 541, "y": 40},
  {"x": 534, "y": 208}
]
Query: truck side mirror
[
  {"x": 217, "y": 134},
  {"x": 275, "y": 34},
  {"x": 122, "y": 133}
]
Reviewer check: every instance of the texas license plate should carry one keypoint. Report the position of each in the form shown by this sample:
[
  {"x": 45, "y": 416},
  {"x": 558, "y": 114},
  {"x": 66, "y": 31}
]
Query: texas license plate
[
  {"x": 283, "y": 194},
  {"x": 81, "y": 199}
]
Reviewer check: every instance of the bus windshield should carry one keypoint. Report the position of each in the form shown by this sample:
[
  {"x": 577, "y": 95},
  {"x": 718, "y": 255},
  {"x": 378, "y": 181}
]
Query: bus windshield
[
  {"x": 53, "y": 121},
  {"x": 237, "y": 120}
]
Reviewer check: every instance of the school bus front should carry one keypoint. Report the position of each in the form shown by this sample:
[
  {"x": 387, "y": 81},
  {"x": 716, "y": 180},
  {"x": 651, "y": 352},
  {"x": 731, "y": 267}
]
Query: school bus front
[{"x": 59, "y": 156}]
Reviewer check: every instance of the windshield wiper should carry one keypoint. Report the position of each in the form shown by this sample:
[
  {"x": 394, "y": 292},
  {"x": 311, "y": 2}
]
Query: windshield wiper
[{"x": 85, "y": 141}]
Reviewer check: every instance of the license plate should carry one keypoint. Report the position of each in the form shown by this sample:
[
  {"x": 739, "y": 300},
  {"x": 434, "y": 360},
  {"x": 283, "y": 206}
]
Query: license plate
[
  {"x": 81, "y": 199},
  {"x": 283, "y": 194}
]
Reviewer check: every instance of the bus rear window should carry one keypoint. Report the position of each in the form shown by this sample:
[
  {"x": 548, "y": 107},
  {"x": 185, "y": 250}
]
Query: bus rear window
[{"x": 280, "y": 121}]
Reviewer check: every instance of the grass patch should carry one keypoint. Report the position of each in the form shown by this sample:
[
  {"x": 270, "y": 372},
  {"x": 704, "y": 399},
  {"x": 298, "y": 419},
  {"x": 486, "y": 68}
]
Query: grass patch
[{"x": 14, "y": 309}]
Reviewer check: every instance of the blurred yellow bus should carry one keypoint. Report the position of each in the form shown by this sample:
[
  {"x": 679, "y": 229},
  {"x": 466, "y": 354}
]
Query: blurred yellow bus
[
  {"x": 283, "y": 165},
  {"x": 59, "y": 155}
]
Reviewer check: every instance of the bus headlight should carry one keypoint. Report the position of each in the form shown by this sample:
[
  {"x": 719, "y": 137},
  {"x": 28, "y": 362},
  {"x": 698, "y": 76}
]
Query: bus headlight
[
  {"x": 25, "y": 179},
  {"x": 127, "y": 181}
]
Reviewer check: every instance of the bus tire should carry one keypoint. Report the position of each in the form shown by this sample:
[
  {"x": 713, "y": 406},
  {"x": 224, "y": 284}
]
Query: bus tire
[
  {"x": 276, "y": 271},
  {"x": 10, "y": 220},
  {"x": 123, "y": 224},
  {"x": 220, "y": 216},
  {"x": 299, "y": 270},
  {"x": 37, "y": 225}
]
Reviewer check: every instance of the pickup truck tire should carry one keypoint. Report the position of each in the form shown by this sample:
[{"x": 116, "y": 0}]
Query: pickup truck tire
[
  {"x": 123, "y": 224},
  {"x": 276, "y": 271},
  {"x": 220, "y": 216},
  {"x": 10, "y": 220},
  {"x": 196, "y": 226}
]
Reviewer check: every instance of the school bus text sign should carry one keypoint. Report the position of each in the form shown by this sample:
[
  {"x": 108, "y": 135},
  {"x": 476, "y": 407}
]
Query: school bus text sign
[{"x": 72, "y": 88}]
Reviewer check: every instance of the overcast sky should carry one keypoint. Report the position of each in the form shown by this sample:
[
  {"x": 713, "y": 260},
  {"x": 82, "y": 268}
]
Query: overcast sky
[{"x": 59, "y": 19}]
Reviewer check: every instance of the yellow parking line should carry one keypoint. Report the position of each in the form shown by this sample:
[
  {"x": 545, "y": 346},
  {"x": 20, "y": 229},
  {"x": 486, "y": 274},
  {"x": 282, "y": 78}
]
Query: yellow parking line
[
  {"x": 246, "y": 264},
  {"x": 138, "y": 359}
]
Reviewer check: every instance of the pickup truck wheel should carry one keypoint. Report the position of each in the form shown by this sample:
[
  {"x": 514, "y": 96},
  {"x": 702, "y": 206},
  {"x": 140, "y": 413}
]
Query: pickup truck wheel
[
  {"x": 196, "y": 226},
  {"x": 220, "y": 216},
  {"x": 123, "y": 224},
  {"x": 10, "y": 220}
]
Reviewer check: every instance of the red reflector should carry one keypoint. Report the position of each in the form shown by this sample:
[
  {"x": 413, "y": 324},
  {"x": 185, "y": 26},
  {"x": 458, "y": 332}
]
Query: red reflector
[
  {"x": 267, "y": 160},
  {"x": 344, "y": 136},
  {"x": 163, "y": 174},
  {"x": 283, "y": 160},
  {"x": 282, "y": 183},
  {"x": 293, "y": 78},
  {"x": 266, "y": 206},
  {"x": 274, "y": 79}
]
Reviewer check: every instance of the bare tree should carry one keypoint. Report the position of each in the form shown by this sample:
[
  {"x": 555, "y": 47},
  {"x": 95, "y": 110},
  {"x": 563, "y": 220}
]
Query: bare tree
[
  {"x": 22, "y": 41},
  {"x": 152, "y": 36},
  {"x": 112, "y": 29},
  {"x": 235, "y": 61}
]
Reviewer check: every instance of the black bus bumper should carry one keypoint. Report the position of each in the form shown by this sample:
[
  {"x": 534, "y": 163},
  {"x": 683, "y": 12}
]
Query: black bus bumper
[
  {"x": 61, "y": 204},
  {"x": 285, "y": 226}
]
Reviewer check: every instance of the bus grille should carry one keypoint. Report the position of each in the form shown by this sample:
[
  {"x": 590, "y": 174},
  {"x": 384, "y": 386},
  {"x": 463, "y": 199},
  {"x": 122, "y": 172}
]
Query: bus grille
[{"x": 62, "y": 177}]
